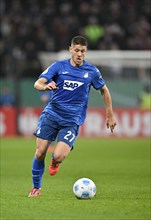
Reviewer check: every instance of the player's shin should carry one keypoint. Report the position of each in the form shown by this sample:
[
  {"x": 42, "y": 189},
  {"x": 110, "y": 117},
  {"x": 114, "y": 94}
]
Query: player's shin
[{"x": 37, "y": 172}]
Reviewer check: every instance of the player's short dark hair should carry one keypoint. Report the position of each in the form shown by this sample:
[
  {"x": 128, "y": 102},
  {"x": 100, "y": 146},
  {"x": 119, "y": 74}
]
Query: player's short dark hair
[{"x": 79, "y": 40}]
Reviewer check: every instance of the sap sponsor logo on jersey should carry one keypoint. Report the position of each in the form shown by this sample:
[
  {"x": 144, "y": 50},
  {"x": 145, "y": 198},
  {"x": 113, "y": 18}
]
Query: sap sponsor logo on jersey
[{"x": 71, "y": 85}]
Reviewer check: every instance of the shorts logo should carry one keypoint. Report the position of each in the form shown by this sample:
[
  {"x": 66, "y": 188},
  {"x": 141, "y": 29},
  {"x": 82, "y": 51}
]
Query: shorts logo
[
  {"x": 71, "y": 85},
  {"x": 39, "y": 130}
]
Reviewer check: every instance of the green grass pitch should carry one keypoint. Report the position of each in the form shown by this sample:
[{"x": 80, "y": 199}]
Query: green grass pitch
[{"x": 120, "y": 169}]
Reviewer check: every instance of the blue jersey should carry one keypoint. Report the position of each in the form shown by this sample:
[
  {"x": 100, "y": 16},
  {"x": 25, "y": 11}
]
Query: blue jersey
[{"x": 69, "y": 103}]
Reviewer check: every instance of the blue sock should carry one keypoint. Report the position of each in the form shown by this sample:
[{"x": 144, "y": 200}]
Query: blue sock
[
  {"x": 38, "y": 167},
  {"x": 53, "y": 155}
]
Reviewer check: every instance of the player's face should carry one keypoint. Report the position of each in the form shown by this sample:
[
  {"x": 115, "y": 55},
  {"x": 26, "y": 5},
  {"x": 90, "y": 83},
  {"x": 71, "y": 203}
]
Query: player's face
[{"x": 77, "y": 54}]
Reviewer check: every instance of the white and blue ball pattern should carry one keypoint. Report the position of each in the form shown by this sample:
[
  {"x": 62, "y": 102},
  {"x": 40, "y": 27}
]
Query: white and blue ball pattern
[{"x": 84, "y": 188}]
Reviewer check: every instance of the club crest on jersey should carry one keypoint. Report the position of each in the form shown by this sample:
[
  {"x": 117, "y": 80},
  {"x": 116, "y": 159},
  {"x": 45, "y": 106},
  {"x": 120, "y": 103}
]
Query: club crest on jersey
[
  {"x": 71, "y": 85},
  {"x": 86, "y": 75}
]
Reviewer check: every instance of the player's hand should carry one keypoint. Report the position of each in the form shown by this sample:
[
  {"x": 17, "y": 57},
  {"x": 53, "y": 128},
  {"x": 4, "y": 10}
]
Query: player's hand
[
  {"x": 51, "y": 86},
  {"x": 111, "y": 123}
]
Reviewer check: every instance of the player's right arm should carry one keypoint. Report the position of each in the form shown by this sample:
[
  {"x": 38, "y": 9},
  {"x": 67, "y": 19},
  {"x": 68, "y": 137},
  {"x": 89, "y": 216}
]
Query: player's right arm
[{"x": 41, "y": 85}]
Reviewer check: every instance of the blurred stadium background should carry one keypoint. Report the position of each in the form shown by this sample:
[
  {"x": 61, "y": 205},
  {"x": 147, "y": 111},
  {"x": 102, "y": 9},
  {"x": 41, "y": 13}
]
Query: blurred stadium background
[{"x": 35, "y": 33}]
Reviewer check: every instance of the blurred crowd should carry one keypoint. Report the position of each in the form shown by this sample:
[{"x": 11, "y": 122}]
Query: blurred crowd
[{"x": 30, "y": 26}]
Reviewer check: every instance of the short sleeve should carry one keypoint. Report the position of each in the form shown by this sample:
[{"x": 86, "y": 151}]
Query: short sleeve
[
  {"x": 97, "y": 81},
  {"x": 50, "y": 72}
]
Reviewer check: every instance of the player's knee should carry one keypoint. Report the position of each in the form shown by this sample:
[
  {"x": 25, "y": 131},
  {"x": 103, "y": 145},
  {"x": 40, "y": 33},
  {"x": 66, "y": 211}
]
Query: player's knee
[
  {"x": 39, "y": 155},
  {"x": 59, "y": 157}
]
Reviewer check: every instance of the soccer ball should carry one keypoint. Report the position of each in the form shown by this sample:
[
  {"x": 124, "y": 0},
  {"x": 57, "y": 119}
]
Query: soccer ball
[{"x": 84, "y": 188}]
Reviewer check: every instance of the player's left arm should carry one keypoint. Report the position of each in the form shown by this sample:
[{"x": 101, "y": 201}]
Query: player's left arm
[{"x": 111, "y": 123}]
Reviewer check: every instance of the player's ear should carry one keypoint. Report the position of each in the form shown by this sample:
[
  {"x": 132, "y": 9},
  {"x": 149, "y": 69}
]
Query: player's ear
[{"x": 70, "y": 49}]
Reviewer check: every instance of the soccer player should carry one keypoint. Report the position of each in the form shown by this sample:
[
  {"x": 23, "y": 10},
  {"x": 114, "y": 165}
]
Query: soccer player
[{"x": 70, "y": 81}]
